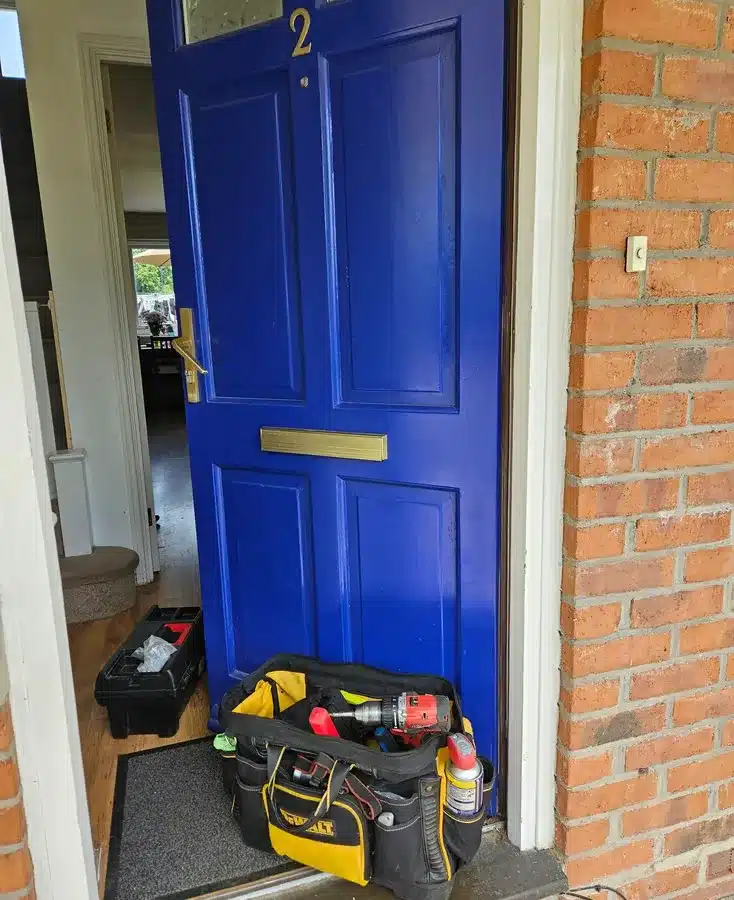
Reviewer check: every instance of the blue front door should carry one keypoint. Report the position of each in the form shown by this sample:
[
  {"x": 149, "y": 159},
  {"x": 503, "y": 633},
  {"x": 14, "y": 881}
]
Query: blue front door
[{"x": 334, "y": 179}]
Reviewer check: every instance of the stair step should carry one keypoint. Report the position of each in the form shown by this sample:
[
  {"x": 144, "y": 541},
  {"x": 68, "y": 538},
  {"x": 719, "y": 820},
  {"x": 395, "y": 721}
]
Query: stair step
[
  {"x": 99, "y": 584},
  {"x": 102, "y": 564}
]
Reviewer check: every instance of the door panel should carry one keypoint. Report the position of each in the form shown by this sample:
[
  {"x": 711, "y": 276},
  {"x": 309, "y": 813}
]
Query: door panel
[
  {"x": 249, "y": 239},
  {"x": 336, "y": 222},
  {"x": 394, "y": 133},
  {"x": 402, "y": 560},
  {"x": 266, "y": 521}
]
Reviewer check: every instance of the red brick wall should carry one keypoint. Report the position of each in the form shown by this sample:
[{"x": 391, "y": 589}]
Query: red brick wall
[
  {"x": 16, "y": 873},
  {"x": 646, "y": 738}
]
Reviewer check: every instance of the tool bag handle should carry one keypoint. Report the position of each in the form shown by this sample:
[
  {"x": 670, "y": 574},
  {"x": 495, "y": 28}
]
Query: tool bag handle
[{"x": 337, "y": 776}]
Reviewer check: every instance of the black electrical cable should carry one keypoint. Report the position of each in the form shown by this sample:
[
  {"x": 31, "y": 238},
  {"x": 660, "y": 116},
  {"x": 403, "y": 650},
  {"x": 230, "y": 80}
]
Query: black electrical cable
[{"x": 592, "y": 887}]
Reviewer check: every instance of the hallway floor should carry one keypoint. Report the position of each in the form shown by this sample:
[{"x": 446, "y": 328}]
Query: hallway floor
[{"x": 92, "y": 643}]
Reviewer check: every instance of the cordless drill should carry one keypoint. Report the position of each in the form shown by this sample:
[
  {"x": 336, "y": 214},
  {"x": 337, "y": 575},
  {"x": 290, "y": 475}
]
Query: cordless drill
[{"x": 408, "y": 715}]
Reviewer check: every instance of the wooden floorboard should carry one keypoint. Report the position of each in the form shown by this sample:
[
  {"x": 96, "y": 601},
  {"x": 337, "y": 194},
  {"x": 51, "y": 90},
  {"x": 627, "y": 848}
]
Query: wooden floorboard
[{"x": 92, "y": 643}]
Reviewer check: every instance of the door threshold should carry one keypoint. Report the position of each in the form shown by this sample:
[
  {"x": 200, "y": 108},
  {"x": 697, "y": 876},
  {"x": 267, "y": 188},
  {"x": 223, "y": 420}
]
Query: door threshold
[{"x": 271, "y": 886}]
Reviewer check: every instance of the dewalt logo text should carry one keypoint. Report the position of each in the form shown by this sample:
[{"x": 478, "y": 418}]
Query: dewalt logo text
[{"x": 324, "y": 827}]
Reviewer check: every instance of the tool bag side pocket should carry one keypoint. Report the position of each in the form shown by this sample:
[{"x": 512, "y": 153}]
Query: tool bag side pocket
[
  {"x": 410, "y": 856},
  {"x": 403, "y": 808},
  {"x": 464, "y": 835},
  {"x": 251, "y": 772},
  {"x": 252, "y": 817},
  {"x": 248, "y": 804},
  {"x": 229, "y": 773},
  {"x": 399, "y": 856}
]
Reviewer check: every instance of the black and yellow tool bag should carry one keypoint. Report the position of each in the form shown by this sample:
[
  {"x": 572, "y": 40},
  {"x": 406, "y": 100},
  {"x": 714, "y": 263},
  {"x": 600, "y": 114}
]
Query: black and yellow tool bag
[{"x": 317, "y": 800}]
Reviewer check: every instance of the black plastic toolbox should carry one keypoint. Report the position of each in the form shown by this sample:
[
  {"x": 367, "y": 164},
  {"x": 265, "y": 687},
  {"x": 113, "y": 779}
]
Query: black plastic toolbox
[{"x": 152, "y": 702}]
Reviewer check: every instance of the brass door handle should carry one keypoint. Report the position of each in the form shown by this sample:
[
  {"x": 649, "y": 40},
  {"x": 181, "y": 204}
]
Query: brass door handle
[{"x": 185, "y": 347}]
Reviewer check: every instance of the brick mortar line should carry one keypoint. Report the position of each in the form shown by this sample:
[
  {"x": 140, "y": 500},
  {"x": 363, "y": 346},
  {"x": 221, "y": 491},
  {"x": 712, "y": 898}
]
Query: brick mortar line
[
  {"x": 624, "y": 744},
  {"x": 630, "y": 840},
  {"x": 648, "y": 302},
  {"x": 610, "y": 748},
  {"x": 7, "y": 849},
  {"x": 593, "y": 715},
  {"x": 627, "y": 705},
  {"x": 676, "y": 513},
  {"x": 654, "y": 552},
  {"x": 638, "y": 555},
  {"x": 579, "y": 603},
  {"x": 673, "y": 102},
  {"x": 585, "y": 602},
  {"x": 582, "y": 600},
  {"x": 602, "y": 715},
  {"x": 22, "y": 894},
  {"x": 647, "y": 156},
  {"x": 570, "y": 681},
  {"x": 637, "y": 389},
  {"x": 641, "y": 805},
  {"x": 9, "y": 754},
  {"x": 657, "y": 433},
  {"x": 630, "y": 538},
  {"x": 721, "y": 29},
  {"x": 651, "y": 48},
  {"x": 11, "y": 802},
  {"x": 632, "y": 477},
  {"x": 657, "y": 86},
  {"x": 685, "y": 343},
  {"x": 657, "y": 204},
  {"x": 682, "y": 105}
]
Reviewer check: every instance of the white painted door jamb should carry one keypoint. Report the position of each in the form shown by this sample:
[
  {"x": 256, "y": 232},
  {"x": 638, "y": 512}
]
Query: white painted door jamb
[
  {"x": 547, "y": 140},
  {"x": 95, "y": 51},
  {"x": 128, "y": 314},
  {"x": 34, "y": 625}
]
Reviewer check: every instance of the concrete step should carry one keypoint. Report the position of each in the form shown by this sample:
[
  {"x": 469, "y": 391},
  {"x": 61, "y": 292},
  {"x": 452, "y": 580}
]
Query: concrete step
[{"x": 498, "y": 872}]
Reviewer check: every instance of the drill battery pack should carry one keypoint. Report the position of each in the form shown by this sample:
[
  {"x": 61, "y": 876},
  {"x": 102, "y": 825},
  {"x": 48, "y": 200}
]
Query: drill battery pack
[{"x": 321, "y": 800}]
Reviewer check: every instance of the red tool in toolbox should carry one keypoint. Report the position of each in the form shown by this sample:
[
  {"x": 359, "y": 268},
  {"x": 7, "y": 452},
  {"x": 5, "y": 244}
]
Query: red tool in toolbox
[{"x": 181, "y": 629}]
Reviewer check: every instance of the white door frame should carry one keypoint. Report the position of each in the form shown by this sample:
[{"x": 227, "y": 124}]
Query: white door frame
[
  {"x": 41, "y": 688},
  {"x": 94, "y": 52},
  {"x": 549, "y": 104}
]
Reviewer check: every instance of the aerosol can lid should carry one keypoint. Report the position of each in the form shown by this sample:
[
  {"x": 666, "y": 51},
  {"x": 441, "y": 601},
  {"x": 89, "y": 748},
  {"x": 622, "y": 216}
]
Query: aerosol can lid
[{"x": 462, "y": 751}]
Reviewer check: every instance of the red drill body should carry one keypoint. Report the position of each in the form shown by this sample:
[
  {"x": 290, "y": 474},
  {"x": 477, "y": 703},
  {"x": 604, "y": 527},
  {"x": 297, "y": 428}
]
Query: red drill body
[{"x": 407, "y": 713}]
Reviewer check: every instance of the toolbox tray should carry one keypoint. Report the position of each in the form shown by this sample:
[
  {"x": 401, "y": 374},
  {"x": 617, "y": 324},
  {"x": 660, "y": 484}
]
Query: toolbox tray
[{"x": 152, "y": 702}]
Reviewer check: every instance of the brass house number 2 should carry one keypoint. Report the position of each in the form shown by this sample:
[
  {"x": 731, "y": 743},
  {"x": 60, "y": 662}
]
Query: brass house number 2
[{"x": 301, "y": 48}]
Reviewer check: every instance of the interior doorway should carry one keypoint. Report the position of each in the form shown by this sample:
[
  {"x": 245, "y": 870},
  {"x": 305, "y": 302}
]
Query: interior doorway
[
  {"x": 138, "y": 193},
  {"x": 163, "y": 397}
]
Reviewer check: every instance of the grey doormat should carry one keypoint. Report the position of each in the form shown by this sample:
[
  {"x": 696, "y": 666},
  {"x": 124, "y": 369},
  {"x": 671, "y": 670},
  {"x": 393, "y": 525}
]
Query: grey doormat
[{"x": 173, "y": 835}]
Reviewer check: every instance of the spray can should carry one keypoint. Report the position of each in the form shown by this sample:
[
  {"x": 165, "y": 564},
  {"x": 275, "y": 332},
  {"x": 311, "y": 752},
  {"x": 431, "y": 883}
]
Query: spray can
[{"x": 465, "y": 773}]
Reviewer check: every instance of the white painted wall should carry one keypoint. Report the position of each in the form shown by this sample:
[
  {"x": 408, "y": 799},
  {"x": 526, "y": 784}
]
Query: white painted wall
[
  {"x": 50, "y": 34},
  {"x": 136, "y": 138}
]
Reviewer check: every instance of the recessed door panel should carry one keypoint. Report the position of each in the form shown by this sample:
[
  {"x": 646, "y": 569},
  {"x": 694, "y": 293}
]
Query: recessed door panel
[
  {"x": 248, "y": 264},
  {"x": 268, "y": 565},
  {"x": 401, "y": 559},
  {"x": 394, "y": 119}
]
